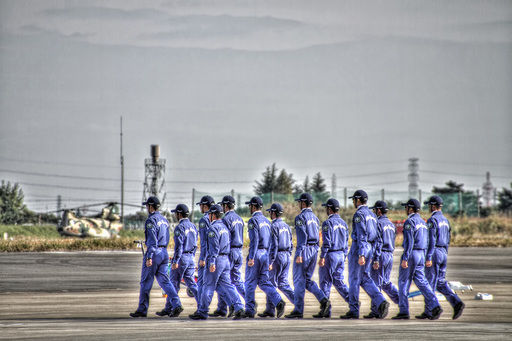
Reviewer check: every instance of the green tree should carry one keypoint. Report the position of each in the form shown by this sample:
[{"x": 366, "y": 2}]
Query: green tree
[
  {"x": 268, "y": 182},
  {"x": 318, "y": 188},
  {"x": 284, "y": 183},
  {"x": 456, "y": 200},
  {"x": 12, "y": 209},
  {"x": 505, "y": 200},
  {"x": 306, "y": 186}
]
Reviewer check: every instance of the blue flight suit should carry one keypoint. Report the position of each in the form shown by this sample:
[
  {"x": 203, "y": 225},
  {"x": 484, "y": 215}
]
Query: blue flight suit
[
  {"x": 439, "y": 240},
  {"x": 219, "y": 280},
  {"x": 281, "y": 247},
  {"x": 185, "y": 246},
  {"x": 415, "y": 246},
  {"x": 235, "y": 225},
  {"x": 308, "y": 235},
  {"x": 364, "y": 232},
  {"x": 334, "y": 248},
  {"x": 383, "y": 253},
  {"x": 257, "y": 275},
  {"x": 156, "y": 231},
  {"x": 204, "y": 224}
]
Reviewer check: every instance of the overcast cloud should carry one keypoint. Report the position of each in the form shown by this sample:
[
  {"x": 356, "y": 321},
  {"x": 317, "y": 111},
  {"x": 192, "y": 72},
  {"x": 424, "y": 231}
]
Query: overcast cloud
[{"x": 226, "y": 88}]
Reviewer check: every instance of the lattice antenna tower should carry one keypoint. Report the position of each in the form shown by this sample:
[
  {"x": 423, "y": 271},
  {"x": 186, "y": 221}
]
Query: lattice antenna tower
[
  {"x": 154, "y": 180},
  {"x": 413, "y": 177},
  {"x": 488, "y": 190}
]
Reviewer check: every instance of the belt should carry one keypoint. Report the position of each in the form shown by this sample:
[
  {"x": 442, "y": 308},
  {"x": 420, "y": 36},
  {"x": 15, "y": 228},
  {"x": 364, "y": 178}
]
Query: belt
[
  {"x": 419, "y": 249},
  {"x": 236, "y": 247},
  {"x": 283, "y": 250},
  {"x": 335, "y": 250},
  {"x": 223, "y": 254},
  {"x": 162, "y": 246},
  {"x": 314, "y": 244},
  {"x": 263, "y": 248},
  {"x": 441, "y": 247},
  {"x": 387, "y": 251},
  {"x": 190, "y": 252}
]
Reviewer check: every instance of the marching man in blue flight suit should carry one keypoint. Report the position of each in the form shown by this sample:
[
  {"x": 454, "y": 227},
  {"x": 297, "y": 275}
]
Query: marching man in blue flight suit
[
  {"x": 235, "y": 226},
  {"x": 383, "y": 254},
  {"x": 308, "y": 236},
  {"x": 256, "y": 271},
  {"x": 413, "y": 264},
  {"x": 217, "y": 276},
  {"x": 185, "y": 245},
  {"x": 156, "y": 262},
  {"x": 437, "y": 257},
  {"x": 359, "y": 259},
  {"x": 333, "y": 252},
  {"x": 204, "y": 205},
  {"x": 280, "y": 252}
]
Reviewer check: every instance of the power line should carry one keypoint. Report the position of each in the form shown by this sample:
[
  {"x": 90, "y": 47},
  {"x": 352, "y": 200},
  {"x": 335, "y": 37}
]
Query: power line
[{"x": 458, "y": 174}]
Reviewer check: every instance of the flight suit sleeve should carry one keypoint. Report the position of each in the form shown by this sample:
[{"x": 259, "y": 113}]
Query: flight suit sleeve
[
  {"x": 300, "y": 230},
  {"x": 378, "y": 243},
  {"x": 274, "y": 243},
  {"x": 408, "y": 243},
  {"x": 179, "y": 239},
  {"x": 345, "y": 249},
  {"x": 449, "y": 236},
  {"x": 291, "y": 238},
  {"x": 253, "y": 238},
  {"x": 362, "y": 233},
  {"x": 203, "y": 235},
  {"x": 213, "y": 247},
  {"x": 326, "y": 239},
  {"x": 151, "y": 238},
  {"x": 432, "y": 237}
]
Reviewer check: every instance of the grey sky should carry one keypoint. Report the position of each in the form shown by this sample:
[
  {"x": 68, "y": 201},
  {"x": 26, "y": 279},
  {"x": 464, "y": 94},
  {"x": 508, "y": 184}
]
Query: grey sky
[{"x": 226, "y": 88}]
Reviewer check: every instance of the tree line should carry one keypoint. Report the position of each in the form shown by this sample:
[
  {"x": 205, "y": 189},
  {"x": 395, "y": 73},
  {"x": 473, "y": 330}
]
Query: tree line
[{"x": 284, "y": 183}]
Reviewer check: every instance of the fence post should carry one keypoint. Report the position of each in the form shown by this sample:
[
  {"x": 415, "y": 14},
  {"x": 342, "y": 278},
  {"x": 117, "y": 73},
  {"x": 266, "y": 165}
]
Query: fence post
[
  {"x": 382, "y": 194},
  {"x": 478, "y": 203},
  {"x": 460, "y": 202},
  {"x": 345, "y": 196},
  {"x": 192, "y": 209}
]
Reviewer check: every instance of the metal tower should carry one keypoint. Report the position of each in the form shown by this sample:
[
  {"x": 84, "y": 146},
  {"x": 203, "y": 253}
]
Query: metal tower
[
  {"x": 488, "y": 188},
  {"x": 413, "y": 177},
  {"x": 154, "y": 180}
]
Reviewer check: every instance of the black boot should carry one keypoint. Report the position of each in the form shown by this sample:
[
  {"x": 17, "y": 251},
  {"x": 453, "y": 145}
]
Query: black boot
[
  {"x": 436, "y": 312},
  {"x": 457, "y": 310},
  {"x": 294, "y": 315},
  {"x": 217, "y": 313},
  {"x": 176, "y": 311}
]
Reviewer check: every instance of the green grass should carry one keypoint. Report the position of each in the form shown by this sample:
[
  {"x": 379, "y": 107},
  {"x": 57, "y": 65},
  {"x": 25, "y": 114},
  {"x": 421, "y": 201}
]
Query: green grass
[
  {"x": 44, "y": 231},
  {"x": 493, "y": 231}
]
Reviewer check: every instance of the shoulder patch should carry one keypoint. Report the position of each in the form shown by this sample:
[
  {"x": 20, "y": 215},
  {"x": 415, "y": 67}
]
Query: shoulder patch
[
  {"x": 408, "y": 226},
  {"x": 201, "y": 225},
  {"x": 325, "y": 228},
  {"x": 149, "y": 226},
  {"x": 357, "y": 219},
  {"x": 299, "y": 222},
  {"x": 429, "y": 224},
  {"x": 211, "y": 234},
  {"x": 177, "y": 233},
  {"x": 250, "y": 226}
]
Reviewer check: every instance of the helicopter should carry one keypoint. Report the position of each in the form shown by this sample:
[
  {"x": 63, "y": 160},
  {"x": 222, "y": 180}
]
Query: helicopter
[{"x": 105, "y": 224}]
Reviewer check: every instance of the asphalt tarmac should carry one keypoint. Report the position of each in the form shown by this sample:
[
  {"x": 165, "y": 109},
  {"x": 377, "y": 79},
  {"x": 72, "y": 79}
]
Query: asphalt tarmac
[{"x": 88, "y": 296}]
